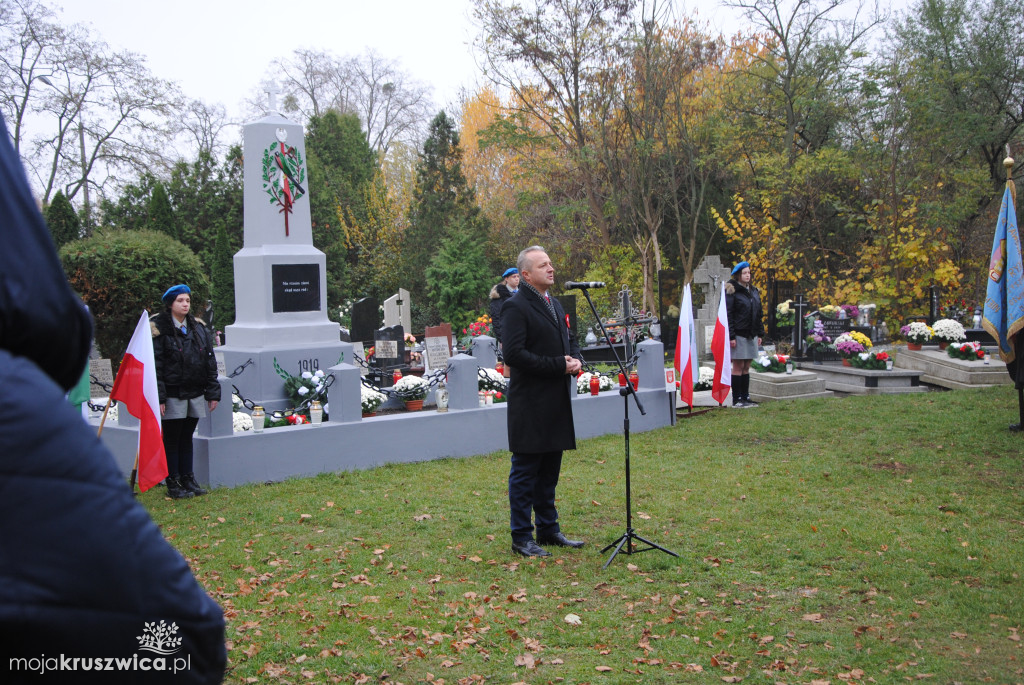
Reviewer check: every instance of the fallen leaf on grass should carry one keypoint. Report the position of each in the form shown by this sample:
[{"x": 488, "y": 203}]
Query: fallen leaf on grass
[
  {"x": 573, "y": 619},
  {"x": 526, "y": 660},
  {"x": 422, "y": 517},
  {"x": 642, "y": 515},
  {"x": 814, "y": 618},
  {"x": 603, "y": 669}
]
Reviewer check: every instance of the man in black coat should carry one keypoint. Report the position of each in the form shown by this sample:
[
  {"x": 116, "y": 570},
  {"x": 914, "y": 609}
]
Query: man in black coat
[{"x": 543, "y": 361}]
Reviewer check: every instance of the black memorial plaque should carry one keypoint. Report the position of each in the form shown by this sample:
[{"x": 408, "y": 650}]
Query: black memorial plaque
[
  {"x": 295, "y": 287},
  {"x": 568, "y": 303}
]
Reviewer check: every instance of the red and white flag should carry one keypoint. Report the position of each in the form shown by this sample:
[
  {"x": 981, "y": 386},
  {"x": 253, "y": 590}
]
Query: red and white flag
[
  {"x": 722, "y": 353},
  {"x": 135, "y": 387},
  {"x": 686, "y": 349}
]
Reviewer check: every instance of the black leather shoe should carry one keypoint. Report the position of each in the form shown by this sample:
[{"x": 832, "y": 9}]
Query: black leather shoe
[
  {"x": 559, "y": 540},
  {"x": 529, "y": 549},
  {"x": 188, "y": 481},
  {"x": 175, "y": 490}
]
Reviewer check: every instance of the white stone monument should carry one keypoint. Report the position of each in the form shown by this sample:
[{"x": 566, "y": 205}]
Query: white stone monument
[
  {"x": 398, "y": 311},
  {"x": 280, "y": 278}
]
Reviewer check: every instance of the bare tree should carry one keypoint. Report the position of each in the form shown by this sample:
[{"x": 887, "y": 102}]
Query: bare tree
[
  {"x": 389, "y": 103},
  {"x": 204, "y": 125},
  {"x": 96, "y": 113}
]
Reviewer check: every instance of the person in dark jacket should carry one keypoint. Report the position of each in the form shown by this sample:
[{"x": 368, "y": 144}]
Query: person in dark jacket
[
  {"x": 543, "y": 360},
  {"x": 186, "y": 379},
  {"x": 499, "y": 293},
  {"x": 746, "y": 328},
  {"x": 83, "y": 569}
]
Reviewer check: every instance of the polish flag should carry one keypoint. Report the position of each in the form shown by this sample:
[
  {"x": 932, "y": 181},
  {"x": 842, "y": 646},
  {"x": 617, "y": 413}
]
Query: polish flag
[
  {"x": 686, "y": 349},
  {"x": 722, "y": 353},
  {"x": 135, "y": 387}
]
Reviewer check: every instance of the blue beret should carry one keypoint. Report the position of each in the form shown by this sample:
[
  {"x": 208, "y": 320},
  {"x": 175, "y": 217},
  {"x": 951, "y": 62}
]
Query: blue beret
[
  {"x": 740, "y": 267},
  {"x": 509, "y": 272},
  {"x": 172, "y": 293}
]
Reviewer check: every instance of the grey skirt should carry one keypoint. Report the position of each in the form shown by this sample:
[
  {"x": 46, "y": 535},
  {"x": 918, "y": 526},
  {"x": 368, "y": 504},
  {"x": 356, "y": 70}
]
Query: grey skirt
[
  {"x": 183, "y": 409},
  {"x": 746, "y": 348}
]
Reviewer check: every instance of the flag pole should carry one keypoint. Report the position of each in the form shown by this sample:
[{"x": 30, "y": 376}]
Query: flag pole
[
  {"x": 1008, "y": 163},
  {"x": 103, "y": 418},
  {"x": 135, "y": 471}
]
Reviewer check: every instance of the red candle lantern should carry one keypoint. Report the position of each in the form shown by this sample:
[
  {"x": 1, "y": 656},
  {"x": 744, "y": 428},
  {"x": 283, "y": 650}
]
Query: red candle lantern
[
  {"x": 396, "y": 375},
  {"x": 622, "y": 380},
  {"x": 595, "y": 385},
  {"x": 500, "y": 368},
  {"x": 634, "y": 379}
]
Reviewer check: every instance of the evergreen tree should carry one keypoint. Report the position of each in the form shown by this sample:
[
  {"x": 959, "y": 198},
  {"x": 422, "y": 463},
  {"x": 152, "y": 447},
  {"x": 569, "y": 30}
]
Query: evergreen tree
[
  {"x": 223, "y": 277},
  {"x": 459, "y": 277},
  {"x": 160, "y": 214},
  {"x": 443, "y": 207},
  {"x": 340, "y": 164},
  {"x": 64, "y": 224}
]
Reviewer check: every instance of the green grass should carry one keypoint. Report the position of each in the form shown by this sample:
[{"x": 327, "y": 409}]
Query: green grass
[{"x": 846, "y": 540}]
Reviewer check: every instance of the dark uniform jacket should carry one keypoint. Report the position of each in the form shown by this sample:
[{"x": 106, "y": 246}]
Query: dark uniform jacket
[
  {"x": 743, "y": 306},
  {"x": 499, "y": 295},
  {"x": 185, "y": 364},
  {"x": 534, "y": 346},
  {"x": 82, "y": 566}
]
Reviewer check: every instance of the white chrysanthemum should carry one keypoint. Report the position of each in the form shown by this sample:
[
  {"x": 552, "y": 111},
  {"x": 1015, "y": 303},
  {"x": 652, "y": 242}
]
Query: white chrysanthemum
[
  {"x": 370, "y": 399},
  {"x": 319, "y": 373},
  {"x": 949, "y": 330},
  {"x": 241, "y": 421},
  {"x": 303, "y": 390},
  {"x": 307, "y": 375}
]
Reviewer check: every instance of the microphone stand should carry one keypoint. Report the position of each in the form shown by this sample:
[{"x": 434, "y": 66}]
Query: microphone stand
[{"x": 626, "y": 539}]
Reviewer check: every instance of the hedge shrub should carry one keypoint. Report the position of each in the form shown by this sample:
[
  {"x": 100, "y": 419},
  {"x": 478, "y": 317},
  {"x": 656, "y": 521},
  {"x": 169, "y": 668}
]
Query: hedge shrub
[{"x": 120, "y": 273}]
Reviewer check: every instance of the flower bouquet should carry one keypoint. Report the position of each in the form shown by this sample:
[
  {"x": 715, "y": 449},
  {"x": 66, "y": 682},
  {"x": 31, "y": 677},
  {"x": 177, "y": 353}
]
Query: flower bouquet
[
  {"x": 705, "y": 379},
  {"x": 785, "y": 315},
  {"x": 817, "y": 341},
  {"x": 370, "y": 399},
  {"x": 774, "y": 363},
  {"x": 852, "y": 343},
  {"x": 493, "y": 381},
  {"x": 829, "y": 311},
  {"x": 948, "y": 331},
  {"x": 852, "y": 311},
  {"x": 870, "y": 360},
  {"x": 583, "y": 383},
  {"x": 304, "y": 388},
  {"x": 916, "y": 332},
  {"x": 411, "y": 388},
  {"x": 968, "y": 351}
]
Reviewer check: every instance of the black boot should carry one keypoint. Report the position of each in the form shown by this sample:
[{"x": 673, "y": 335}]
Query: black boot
[
  {"x": 175, "y": 489},
  {"x": 188, "y": 481},
  {"x": 746, "y": 391},
  {"x": 737, "y": 391}
]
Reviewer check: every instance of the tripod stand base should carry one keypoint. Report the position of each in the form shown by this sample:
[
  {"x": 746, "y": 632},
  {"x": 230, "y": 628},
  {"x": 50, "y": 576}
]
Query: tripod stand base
[{"x": 626, "y": 539}]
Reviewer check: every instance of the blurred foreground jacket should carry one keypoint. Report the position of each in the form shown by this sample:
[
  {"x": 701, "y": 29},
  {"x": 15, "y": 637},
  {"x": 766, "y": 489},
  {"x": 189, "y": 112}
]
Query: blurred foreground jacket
[{"x": 83, "y": 569}]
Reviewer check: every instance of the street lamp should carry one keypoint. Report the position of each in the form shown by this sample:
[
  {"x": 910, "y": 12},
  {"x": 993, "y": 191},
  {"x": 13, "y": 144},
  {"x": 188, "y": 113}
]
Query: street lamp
[{"x": 81, "y": 144}]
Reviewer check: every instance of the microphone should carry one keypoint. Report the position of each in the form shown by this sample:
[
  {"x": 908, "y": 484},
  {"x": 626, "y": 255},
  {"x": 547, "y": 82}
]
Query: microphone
[{"x": 583, "y": 285}]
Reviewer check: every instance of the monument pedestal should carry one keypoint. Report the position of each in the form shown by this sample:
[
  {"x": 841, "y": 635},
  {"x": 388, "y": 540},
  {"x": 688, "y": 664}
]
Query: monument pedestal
[{"x": 260, "y": 381}]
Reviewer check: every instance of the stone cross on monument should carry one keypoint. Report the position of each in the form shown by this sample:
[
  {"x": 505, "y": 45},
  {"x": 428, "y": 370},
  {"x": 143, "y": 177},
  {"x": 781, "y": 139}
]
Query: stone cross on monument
[
  {"x": 280, "y": 278},
  {"x": 272, "y": 91}
]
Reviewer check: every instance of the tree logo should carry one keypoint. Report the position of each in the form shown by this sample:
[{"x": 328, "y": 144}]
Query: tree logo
[
  {"x": 159, "y": 638},
  {"x": 284, "y": 172}
]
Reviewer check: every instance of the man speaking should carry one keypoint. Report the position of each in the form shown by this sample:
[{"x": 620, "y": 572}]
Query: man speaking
[{"x": 543, "y": 361}]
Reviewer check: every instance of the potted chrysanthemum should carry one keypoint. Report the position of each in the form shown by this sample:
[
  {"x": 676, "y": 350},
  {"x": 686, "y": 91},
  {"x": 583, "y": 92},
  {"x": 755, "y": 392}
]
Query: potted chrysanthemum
[
  {"x": 851, "y": 344},
  {"x": 412, "y": 390},
  {"x": 370, "y": 400},
  {"x": 948, "y": 331},
  {"x": 916, "y": 334}
]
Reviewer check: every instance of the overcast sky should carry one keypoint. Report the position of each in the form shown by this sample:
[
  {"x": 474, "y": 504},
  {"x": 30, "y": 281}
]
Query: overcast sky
[{"x": 219, "y": 51}]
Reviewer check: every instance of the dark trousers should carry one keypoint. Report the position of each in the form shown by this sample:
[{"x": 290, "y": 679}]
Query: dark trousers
[
  {"x": 531, "y": 486},
  {"x": 178, "y": 445}
]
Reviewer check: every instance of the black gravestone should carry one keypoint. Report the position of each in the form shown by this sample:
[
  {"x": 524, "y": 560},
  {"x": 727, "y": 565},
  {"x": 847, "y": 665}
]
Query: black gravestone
[
  {"x": 295, "y": 287},
  {"x": 568, "y": 303},
  {"x": 670, "y": 294},
  {"x": 389, "y": 347},
  {"x": 365, "y": 319}
]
